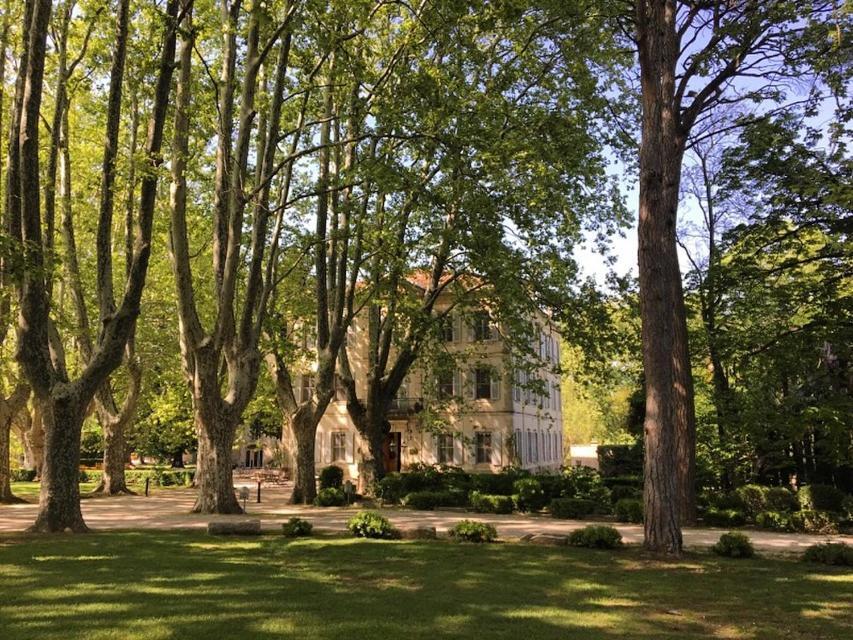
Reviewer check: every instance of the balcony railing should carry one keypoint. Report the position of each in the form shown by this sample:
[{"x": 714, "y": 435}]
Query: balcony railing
[{"x": 405, "y": 406}]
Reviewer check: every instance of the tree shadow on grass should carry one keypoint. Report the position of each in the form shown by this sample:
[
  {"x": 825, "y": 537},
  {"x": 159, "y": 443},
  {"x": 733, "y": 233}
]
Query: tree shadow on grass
[{"x": 180, "y": 585}]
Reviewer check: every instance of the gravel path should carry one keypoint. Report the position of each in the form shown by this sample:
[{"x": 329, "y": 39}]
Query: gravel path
[{"x": 169, "y": 509}]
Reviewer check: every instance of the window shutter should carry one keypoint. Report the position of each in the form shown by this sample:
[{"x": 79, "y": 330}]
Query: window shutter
[
  {"x": 349, "y": 440},
  {"x": 318, "y": 448},
  {"x": 497, "y": 452},
  {"x": 457, "y": 383},
  {"x": 472, "y": 386},
  {"x": 495, "y": 386},
  {"x": 458, "y": 447}
]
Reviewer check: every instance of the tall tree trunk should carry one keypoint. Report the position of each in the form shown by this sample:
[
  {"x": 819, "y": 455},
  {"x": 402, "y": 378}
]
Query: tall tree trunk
[
  {"x": 304, "y": 479},
  {"x": 9, "y": 408},
  {"x": 214, "y": 477},
  {"x": 59, "y": 498},
  {"x": 661, "y": 298}
]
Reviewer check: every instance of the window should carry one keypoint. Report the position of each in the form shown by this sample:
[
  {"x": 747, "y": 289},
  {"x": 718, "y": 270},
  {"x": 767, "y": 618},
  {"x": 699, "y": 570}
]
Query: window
[
  {"x": 517, "y": 386},
  {"x": 516, "y": 443},
  {"x": 530, "y": 442},
  {"x": 446, "y": 384},
  {"x": 339, "y": 446},
  {"x": 445, "y": 449},
  {"x": 448, "y": 329},
  {"x": 306, "y": 387},
  {"x": 481, "y": 326},
  {"x": 482, "y": 383},
  {"x": 484, "y": 447},
  {"x": 485, "y": 384}
]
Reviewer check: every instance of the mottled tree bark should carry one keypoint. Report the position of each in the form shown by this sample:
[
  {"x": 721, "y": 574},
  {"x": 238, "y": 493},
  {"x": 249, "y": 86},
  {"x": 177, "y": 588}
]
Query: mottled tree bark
[{"x": 9, "y": 407}]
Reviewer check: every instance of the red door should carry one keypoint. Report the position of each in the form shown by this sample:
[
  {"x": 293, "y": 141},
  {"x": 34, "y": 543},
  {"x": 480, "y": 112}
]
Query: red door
[{"x": 391, "y": 451}]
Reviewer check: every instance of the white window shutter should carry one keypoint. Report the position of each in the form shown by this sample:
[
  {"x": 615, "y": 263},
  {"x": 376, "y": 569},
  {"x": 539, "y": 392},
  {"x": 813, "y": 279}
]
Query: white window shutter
[
  {"x": 458, "y": 453},
  {"x": 472, "y": 384},
  {"x": 318, "y": 448},
  {"x": 457, "y": 383},
  {"x": 495, "y": 386},
  {"x": 497, "y": 452},
  {"x": 349, "y": 456}
]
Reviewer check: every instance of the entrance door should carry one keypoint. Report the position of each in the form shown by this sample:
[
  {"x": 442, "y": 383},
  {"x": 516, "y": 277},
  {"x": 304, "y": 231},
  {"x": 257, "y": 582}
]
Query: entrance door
[{"x": 391, "y": 451}]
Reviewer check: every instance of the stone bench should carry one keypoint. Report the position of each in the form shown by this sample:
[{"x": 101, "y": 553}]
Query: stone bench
[{"x": 234, "y": 528}]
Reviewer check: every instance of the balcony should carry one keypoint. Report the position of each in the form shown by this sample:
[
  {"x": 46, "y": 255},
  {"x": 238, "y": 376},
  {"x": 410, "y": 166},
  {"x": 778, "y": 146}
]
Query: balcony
[{"x": 403, "y": 407}]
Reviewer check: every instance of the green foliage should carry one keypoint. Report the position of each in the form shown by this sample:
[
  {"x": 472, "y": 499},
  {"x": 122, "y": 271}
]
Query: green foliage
[
  {"x": 296, "y": 528},
  {"x": 629, "y": 510},
  {"x": 819, "y": 522},
  {"x": 620, "y": 460},
  {"x": 624, "y": 492},
  {"x": 774, "y": 520},
  {"x": 715, "y": 517},
  {"x": 369, "y": 524},
  {"x": 820, "y": 497},
  {"x": 571, "y": 508},
  {"x": 531, "y": 496},
  {"x": 781, "y": 499},
  {"x": 498, "y": 483},
  {"x": 734, "y": 545},
  {"x": 429, "y": 500},
  {"x": 485, "y": 503},
  {"x": 331, "y": 477},
  {"x": 22, "y": 475},
  {"x": 596, "y": 537},
  {"x": 473, "y": 531},
  {"x": 330, "y": 497},
  {"x": 832, "y": 553},
  {"x": 753, "y": 497}
]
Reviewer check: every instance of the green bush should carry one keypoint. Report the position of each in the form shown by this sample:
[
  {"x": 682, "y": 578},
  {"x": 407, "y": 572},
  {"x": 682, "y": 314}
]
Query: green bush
[
  {"x": 473, "y": 531},
  {"x": 369, "y": 524},
  {"x": 629, "y": 510},
  {"x": 811, "y": 521},
  {"x": 820, "y": 497},
  {"x": 531, "y": 496},
  {"x": 734, "y": 545},
  {"x": 596, "y": 537},
  {"x": 781, "y": 499},
  {"x": 497, "y": 484},
  {"x": 620, "y": 459},
  {"x": 297, "y": 528},
  {"x": 573, "y": 508},
  {"x": 847, "y": 507},
  {"x": 485, "y": 503},
  {"x": 774, "y": 520},
  {"x": 429, "y": 500},
  {"x": 391, "y": 488},
  {"x": 586, "y": 483},
  {"x": 331, "y": 477},
  {"x": 753, "y": 497},
  {"x": 330, "y": 497},
  {"x": 715, "y": 517},
  {"x": 624, "y": 492},
  {"x": 22, "y": 475},
  {"x": 727, "y": 502},
  {"x": 835, "y": 553}
]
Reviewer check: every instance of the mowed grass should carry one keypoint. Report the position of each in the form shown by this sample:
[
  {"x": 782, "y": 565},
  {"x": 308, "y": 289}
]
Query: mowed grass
[
  {"x": 29, "y": 491},
  {"x": 181, "y": 585}
]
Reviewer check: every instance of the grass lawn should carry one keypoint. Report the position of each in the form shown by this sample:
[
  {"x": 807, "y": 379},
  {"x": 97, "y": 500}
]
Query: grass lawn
[
  {"x": 29, "y": 491},
  {"x": 158, "y": 585}
]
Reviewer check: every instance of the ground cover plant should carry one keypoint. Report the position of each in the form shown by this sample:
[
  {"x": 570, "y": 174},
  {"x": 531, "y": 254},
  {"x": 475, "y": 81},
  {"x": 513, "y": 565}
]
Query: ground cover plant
[{"x": 169, "y": 585}]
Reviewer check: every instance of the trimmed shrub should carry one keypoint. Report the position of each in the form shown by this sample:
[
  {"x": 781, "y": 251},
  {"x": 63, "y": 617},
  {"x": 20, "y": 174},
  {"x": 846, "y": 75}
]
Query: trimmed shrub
[
  {"x": 330, "y": 497},
  {"x": 753, "y": 497},
  {"x": 369, "y": 524},
  {"x": 571, "y": 508},
  {"x": 596, "y": 537},
  {"x": 820, "y": 497},
  {"x": 781, "y": 499},
  {"x": 485, "y": 503},
  {"x": 724, "y": 518},
  {"x": 296, "y": 528},
  {"x": 629, "y": 510},
  {"x": 774, "y": 520},
  {"x": 834, "y": 553},
  {"x": 734, "y": 545},
  {"x": 22, "y": 475},
  {"x": 429, "y": 500},
  {"x": 624, "y": 492},
  {"x": 331, "y": 477},
  {"x": 473, "y": 531},
  {"x": 620, "y": 459},
  {"x": 820, "y": 522},
  {"x": 497, "y": 484},
  {"x": 727, "y": 502},
  {"x": 531, "y": 496},
  {"x": 586, "y": 483},
  {"x": 391, "y": 488}
]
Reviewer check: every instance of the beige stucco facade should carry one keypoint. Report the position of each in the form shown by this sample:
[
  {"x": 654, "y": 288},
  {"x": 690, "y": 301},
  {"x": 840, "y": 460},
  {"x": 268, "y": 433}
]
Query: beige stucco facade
[{"x": 486, "y": 424}]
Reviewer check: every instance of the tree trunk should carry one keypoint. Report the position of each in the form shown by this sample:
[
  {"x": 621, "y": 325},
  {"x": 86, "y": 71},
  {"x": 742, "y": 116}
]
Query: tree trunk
[
  {"x": 59, "y": 500},
  {"x": 34, "y": 439},
  {"x": 9, "y": 407},
  {"x": 213, "y": 474},
  {"x": 113, "y": 480},
  {"x": 305, "y": 434}
]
